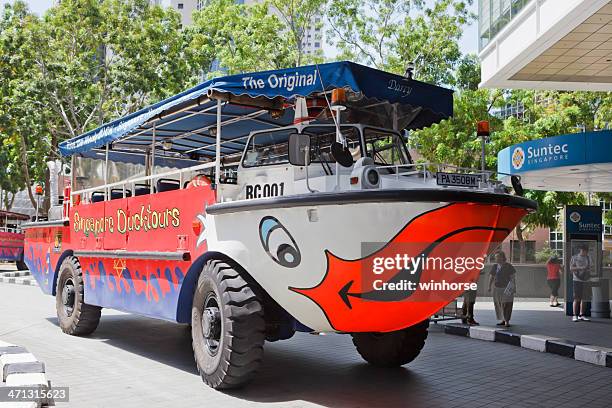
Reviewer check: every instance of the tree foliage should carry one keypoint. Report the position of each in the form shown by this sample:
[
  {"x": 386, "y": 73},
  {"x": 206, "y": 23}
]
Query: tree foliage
[
  {"x": 388, "y": 34},
  {"x": 240, "y": 37},
  {"x": 83, "y": 63},
  {"x": 298, "y": 16}
]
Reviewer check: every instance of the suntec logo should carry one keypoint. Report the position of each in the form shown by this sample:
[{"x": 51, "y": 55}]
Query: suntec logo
[
  {"x": 575, "y": 216},
  {"x": 518, "y": 158}
]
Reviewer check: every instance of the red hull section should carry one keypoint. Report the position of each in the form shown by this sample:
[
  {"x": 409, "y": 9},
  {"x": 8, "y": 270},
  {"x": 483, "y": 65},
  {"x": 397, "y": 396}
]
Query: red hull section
[{"x": 134, "y": 252}]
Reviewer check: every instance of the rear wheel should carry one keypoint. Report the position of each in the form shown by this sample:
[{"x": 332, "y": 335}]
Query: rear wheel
[
  {"x": 227, "y": 327},
  {"x": 74, "y": 315},
  {"x": 392, "y": 349},
  {"x": 21, "y": 266}
]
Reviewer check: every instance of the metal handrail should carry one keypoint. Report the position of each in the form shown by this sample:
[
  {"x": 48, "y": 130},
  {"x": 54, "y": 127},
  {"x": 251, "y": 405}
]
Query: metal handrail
[
  {"x": 13, "y": 230},
  {"x": 123, "y": 183},
  {"x": 439, "y": 166}
]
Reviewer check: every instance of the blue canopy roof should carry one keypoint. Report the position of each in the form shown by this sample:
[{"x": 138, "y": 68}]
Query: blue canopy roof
[{"x": 262, "y": 100}]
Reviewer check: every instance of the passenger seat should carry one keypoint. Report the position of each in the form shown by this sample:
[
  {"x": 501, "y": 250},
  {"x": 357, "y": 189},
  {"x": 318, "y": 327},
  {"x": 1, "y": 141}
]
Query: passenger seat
[
  {"x": 167, "y": 185},
  {"x": 118, "y": 193}
]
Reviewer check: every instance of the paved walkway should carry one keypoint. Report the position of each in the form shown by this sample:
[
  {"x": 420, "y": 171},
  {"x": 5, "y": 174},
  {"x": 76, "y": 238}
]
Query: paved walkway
[{"x": 133, "y": 361}]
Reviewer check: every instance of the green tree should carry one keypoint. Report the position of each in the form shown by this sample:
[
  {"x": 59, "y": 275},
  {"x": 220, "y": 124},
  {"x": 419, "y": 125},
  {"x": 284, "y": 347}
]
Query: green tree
[
  {"x": 240, "y": 37},
  {"x": 83, "y": 63},
  {"x": 388, "y": 34},
  {"x": 19, "y": 124},
  {"x": 298, "y": 16},
  {"x": 467, "y": 75}
]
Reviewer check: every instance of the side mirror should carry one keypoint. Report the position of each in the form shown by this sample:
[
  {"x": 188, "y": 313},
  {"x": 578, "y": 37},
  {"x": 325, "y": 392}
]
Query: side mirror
[{"x": 299, "y": 149}]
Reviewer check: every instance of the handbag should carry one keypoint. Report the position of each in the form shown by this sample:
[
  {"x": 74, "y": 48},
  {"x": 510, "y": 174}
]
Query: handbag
[
  {"x": 510, "y": 287},
  {"x": 585, "y": 273}
]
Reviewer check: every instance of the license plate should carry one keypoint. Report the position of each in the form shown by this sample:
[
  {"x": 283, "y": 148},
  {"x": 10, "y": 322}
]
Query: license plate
[{"x": 458, "y": 179}]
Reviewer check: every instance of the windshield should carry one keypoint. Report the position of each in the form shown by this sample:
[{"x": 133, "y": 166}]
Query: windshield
[
  {"x": 386, "y": 148},
  {"x": 268, "y": 148},
  {"x": 322, "y": 137},
  {"x": 271, "y": 147}
]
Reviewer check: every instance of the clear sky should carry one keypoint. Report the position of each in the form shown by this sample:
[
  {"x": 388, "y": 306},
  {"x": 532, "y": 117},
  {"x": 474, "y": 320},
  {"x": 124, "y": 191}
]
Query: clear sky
[{"x": 469, "y": 42}]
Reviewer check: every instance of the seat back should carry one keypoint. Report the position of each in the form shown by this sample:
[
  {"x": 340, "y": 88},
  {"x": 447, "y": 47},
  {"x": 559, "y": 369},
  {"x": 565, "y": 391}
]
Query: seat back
[
  {"x": 142, "y": 189},
  {"x": 118, "y": 193},
  {"x": 97, "y": 196},
  {"x": 167, "y": 185}
]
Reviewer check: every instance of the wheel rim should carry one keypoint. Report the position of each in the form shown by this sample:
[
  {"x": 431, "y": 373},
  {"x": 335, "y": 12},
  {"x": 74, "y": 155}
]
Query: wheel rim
[
  {"x": 211, "y": 324},
  {"x": 68, "y": 297}
]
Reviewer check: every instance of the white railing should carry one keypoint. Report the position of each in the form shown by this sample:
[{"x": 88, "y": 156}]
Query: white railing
[
  {"x": 13, "y": 230},
  {"x": 122, "y": 184},
  {"x": 425, "y": 168}
]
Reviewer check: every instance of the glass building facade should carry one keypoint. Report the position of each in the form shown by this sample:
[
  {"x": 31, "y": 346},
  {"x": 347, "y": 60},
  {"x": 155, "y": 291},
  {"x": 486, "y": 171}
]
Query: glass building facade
[{"x": 494, "y": 15}]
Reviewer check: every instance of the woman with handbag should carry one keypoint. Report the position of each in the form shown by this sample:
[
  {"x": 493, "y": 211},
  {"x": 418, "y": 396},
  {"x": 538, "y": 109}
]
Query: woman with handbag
[
  {"x": 580, "y": 266},
  {"x": 502, "y": 276}
]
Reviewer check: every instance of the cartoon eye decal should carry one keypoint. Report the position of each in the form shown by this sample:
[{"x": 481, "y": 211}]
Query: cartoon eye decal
[{"x": 278, "y": 243}]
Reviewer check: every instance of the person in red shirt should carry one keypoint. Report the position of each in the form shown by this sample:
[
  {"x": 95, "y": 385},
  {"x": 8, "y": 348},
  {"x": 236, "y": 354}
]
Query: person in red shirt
[{"x": 553, "y": 277}]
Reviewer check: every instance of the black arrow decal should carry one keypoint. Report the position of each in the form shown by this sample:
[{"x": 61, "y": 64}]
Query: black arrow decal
[{"x": 404, "y": 274}]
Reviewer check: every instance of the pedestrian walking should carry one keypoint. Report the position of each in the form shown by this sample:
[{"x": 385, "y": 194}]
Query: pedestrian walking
[
  {"x": 469, "y": 300},
  {"x": 502, "y": 277},
  {"x": 553, "y": 278},
  {"x": 580, "y": 266}
]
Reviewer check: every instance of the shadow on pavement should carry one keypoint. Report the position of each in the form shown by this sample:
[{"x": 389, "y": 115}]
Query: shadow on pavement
[
  {"x": 166, "y": 342},
  {"x": 324, "y": 370}
]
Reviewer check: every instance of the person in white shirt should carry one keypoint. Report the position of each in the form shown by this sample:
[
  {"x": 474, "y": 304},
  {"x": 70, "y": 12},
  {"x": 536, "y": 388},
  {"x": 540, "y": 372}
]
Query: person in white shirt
[{"x": 580, "y": 266}]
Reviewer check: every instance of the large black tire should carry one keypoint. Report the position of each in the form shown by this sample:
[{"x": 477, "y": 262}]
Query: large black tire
[
  {"x": 75, "y": 316},
  {"x": 227, "y": 327},
  {"x": 392, "y": 349},
  {"x": 21, "y": 266}
]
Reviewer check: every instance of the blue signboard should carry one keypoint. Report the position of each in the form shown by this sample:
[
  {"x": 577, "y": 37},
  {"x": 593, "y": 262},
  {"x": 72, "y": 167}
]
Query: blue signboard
[
  {"x": 564, "y": 150},
  {"x": 583, "y": 219}
]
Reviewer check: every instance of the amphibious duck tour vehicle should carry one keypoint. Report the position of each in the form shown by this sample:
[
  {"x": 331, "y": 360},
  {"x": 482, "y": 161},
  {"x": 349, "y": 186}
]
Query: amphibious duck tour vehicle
[
  {"x": 253, "y": 206},
  {"x": 11, "y": 238}
]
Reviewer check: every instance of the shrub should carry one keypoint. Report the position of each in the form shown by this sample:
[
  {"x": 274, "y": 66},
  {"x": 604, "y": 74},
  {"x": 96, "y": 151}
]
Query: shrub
[{"x": 544, "y": 254}]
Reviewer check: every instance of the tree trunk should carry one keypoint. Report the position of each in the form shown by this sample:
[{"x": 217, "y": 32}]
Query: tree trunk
[
  {"x": 521, "y": 240},
  {"x": 26, "y": 171},
  {"x": 11, "y": 201},
  {"x": 46, "y": 204}
]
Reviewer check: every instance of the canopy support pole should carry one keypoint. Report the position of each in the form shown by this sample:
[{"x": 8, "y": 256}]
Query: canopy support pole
[
  {"x": 72, "y": 178},
  {"x": 218, "y": 151},
  {"x": 152, "y": 168},
  {"x": 395, "y": 118},
  {"x": 106, "y": 195}
]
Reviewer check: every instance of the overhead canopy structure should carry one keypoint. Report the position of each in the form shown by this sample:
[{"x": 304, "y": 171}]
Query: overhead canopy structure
[
  {"x": 13, "y": 216},
  {"x": 184, "y": 125},
  {"x": 573, "y": 162}
]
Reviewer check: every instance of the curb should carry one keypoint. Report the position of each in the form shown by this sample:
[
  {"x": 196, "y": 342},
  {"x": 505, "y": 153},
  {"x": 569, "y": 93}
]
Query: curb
[
  {"x": 19, "y": 368},
  {"x": 15, "y": 274},
  {"x": 601, "y": 356},
  {"x": 19, "y": 280}
]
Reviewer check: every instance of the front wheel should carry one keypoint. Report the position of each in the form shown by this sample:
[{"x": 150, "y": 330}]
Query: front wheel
[
  {"x": 227, "y": 327},
  {"x": 392, "y": 349},
  {"x": 74, "y": 315}
]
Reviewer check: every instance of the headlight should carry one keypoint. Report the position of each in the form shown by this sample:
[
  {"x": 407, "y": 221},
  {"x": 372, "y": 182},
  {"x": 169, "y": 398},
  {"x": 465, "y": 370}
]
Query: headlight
[{"x": 372, "y": 176}]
